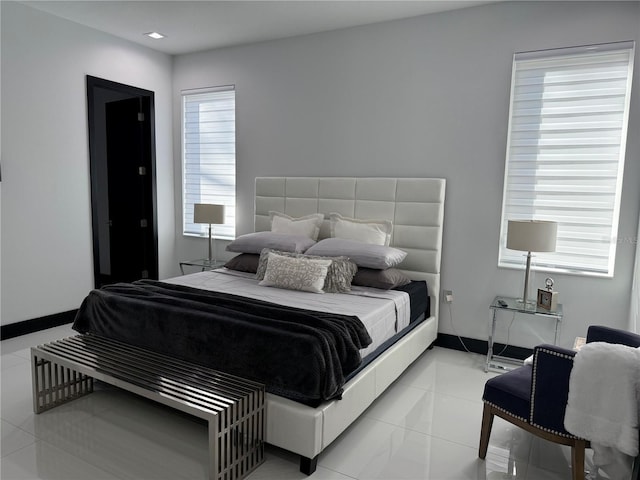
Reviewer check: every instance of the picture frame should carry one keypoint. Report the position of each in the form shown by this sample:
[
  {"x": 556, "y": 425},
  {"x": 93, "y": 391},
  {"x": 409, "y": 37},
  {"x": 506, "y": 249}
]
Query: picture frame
[{"x": 547, "y": 300}]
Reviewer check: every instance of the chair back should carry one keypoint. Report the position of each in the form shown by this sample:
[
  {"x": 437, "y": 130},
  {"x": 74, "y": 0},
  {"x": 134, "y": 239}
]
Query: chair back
[{"x": 600, "y": 333}]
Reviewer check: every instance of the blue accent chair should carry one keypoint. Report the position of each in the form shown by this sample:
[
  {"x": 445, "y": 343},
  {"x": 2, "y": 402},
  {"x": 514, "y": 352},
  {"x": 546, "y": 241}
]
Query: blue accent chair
[{"x": 534, "y": 397}]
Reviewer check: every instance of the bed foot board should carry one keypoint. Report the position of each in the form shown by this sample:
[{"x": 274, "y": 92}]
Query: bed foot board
[{"x": 308, "y": 465}]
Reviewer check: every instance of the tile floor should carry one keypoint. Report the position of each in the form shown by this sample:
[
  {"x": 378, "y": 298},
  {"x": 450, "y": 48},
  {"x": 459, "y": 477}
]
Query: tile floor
[{"x": 426, "y": 426}]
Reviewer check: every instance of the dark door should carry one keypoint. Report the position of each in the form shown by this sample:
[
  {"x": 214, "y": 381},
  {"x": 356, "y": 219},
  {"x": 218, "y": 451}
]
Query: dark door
[{"x": 123, "y": 202}]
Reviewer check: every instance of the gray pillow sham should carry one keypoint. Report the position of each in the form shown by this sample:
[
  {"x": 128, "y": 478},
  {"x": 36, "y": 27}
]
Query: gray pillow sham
[
  {"x": 383, "y": 279},
  {"x": 255, "y": 242},
  {"x": 245, "y": 262},
  {"x": 363, "y": 254}
]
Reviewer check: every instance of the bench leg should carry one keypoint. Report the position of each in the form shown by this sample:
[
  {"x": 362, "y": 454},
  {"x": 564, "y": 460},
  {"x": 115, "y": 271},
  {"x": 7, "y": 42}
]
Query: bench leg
[
  {"x": 308, "y": 465},
  {"x": 212, "y": 428},
  {"x": 54, "y": 384}
]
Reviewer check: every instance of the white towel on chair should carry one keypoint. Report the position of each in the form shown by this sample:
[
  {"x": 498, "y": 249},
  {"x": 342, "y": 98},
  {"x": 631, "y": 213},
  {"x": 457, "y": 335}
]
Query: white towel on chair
[{"x": 604, "y": 401}]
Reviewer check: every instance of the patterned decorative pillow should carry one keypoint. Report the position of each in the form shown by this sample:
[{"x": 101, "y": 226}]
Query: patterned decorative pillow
[
  {"x": 363, "y": 254},
  {"x": 339, "y": 275},
  {"x": 308, "y": 225},
  {"x": 306, "y": 274},
  {"x": 376, "y": 232}
]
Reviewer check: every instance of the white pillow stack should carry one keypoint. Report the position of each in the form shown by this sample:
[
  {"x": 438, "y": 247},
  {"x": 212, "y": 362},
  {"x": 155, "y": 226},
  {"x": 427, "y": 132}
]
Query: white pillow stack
[
  {"x": 375, "y": 232},
  {"x": 308, "y": 225}
]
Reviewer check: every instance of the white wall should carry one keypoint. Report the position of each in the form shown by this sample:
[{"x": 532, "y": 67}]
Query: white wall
[
  {"x": 419, "y": 97},
  {"x": 47, "y": 264},
  {"x": 427, "y": 96}
]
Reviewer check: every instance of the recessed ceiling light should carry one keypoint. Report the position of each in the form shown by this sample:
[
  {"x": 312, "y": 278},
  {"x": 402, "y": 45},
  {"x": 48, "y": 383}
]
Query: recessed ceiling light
[{"x": 155, "y": 35}]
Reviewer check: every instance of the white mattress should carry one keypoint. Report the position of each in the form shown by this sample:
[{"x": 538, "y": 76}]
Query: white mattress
[{"x": 383, "y": 312}]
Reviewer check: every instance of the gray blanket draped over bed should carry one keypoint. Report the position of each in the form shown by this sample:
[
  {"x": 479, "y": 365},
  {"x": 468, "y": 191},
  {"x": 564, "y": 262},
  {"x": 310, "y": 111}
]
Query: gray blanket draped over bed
[{"x": 299, "y": 354}]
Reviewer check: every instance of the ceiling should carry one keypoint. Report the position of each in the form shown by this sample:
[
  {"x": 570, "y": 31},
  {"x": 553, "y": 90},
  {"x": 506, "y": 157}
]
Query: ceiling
[{"x": 192, "y": 26}]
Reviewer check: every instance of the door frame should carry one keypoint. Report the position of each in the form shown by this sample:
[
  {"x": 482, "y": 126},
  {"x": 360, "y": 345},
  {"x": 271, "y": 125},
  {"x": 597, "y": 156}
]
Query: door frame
[{"x": 94, "y": 100}]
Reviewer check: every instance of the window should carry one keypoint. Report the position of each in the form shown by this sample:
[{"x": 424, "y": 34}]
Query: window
[
  {"x": 209, "y": 156},
  {"x": 565, "y": 152}
]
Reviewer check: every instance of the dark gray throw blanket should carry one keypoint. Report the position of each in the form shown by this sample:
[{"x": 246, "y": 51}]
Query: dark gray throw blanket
[{"x": 299, "y": 354}]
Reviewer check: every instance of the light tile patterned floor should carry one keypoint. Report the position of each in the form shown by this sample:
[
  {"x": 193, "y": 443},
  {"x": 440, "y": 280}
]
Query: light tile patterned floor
[{"x": 426, "y": 426}]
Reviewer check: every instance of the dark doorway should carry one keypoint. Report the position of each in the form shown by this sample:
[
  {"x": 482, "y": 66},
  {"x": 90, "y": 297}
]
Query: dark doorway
[{"x": 123, "y": 187}]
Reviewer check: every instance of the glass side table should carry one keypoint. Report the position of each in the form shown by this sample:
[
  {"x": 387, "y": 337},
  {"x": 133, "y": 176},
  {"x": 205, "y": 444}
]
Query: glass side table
[
  {"x": 500, "y": 363},
  {"x": 202, "y": 263}
]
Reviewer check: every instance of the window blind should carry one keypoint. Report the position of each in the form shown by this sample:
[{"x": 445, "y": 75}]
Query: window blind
[
  {"x": 209, "y": 156},
  {"x": 565, "y": 152}
]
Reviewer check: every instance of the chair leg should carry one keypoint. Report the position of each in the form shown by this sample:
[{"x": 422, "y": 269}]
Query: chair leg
[
  {"x": 577, "y": 459},
  {"x": 487, "y": 423}
]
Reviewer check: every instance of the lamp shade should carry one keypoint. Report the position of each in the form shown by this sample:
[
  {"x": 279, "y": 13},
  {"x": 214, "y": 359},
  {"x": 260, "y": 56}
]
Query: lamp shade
[
  {"x": 532, "y": 235},
  {"x": 208, "y": 213}
]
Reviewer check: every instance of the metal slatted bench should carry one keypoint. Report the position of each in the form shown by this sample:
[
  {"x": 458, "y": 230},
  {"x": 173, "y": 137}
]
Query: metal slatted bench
[{"x": 233, "y": 407}]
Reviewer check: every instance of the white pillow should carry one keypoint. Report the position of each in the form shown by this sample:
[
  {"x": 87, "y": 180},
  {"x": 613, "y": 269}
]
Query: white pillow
[
  {"x": 376, "y": 232},
  {"x": 308, "y": 225},
  {"x": 304, "y": 274}
]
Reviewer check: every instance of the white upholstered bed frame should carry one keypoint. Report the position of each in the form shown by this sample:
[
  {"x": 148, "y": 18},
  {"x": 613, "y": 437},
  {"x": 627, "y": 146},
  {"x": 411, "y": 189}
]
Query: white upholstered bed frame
[{"x": 416, "y": 208}]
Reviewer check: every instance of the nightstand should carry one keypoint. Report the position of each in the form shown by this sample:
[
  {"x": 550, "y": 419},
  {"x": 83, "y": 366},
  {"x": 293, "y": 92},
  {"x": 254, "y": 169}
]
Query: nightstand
[
  {"x": 202, "y": 263},
  {"x": 510, "y": 304}
]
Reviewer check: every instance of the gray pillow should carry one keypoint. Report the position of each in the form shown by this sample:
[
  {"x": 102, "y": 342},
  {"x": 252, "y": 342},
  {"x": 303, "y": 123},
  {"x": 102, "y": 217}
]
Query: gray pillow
[
  {"x": 383, "y": 279},
  {"x": 245, "y": 262},
  {"x": 339, "y": 274},
  {"x": 255, "y": 242},
  {"x": 363, "y": 254}
]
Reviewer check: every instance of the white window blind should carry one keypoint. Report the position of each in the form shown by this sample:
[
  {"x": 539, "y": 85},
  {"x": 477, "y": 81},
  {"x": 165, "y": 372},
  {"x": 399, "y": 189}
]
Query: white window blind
[
  {"x": 209, "y": 156},
  {"x": 565, "y": 152}
]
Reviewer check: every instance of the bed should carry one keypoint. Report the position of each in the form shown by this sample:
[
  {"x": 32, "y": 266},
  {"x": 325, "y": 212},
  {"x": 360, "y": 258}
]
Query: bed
[{"x": 415, "y": 207}]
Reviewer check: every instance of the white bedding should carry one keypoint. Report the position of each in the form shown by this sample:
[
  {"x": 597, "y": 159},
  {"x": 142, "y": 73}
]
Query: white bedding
[{"x": 383, "y": 312}]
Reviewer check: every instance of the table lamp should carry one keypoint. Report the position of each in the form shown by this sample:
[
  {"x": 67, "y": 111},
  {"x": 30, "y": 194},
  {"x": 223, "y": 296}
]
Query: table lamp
[
  {"x": 211, "y": 214},
  {"x": 531, "y": 236}
]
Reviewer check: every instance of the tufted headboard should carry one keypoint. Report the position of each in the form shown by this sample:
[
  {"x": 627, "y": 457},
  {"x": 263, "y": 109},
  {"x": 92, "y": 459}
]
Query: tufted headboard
[{"x": 414, "y": 205}]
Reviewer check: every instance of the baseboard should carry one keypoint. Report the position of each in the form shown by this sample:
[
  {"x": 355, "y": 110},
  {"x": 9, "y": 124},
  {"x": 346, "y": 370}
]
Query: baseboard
[
  {"x": 36, "y": 324},
  {"x": 481, "y": 346},
  {"x": 444, "y": 340}
]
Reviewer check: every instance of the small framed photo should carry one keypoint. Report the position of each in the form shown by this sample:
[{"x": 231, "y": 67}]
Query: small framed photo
[{"x": 547, "y": 300}]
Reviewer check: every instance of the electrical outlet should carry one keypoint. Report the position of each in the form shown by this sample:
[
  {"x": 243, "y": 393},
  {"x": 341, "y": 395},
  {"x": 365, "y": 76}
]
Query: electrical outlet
[{"x": 447, "y": 296}]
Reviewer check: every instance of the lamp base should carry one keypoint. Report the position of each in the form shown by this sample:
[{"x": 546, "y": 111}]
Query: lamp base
[
  {"x": 528, "y": 305},
  {"x": 521, "y": 302},
  {"x": 212, "y": 250}
]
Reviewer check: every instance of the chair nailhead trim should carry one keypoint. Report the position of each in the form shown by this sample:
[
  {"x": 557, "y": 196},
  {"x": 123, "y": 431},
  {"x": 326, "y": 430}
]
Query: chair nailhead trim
[
  {"x": 505, "y": 411},
  {"x": 560, "y": 434},
  {"x": 533, "y": 389},
  {"x": 557, "y": 354},
  {"x": 532, "y": 424}
]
